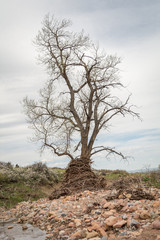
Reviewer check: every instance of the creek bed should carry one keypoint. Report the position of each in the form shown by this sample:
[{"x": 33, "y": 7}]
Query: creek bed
[{"x": 9, "y": 230}]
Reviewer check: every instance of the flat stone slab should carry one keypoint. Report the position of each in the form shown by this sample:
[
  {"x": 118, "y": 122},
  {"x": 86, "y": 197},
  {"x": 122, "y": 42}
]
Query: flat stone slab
[{"x": 16, "y": 232}]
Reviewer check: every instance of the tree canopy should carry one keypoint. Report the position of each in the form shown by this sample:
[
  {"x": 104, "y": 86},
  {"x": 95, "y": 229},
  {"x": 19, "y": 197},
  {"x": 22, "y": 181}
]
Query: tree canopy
[{"x": 77, "y": 102}]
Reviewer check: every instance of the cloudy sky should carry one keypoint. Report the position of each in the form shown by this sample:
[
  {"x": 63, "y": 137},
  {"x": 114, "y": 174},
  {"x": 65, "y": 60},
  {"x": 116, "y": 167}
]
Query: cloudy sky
[{"x": 131, "y": 29}]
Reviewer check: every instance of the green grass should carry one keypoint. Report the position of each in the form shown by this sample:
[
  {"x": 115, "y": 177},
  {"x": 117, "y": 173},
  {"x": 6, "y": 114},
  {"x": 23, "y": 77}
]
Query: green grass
[
  {"x": 116, "y": 174},
  {"x": 13, "y": 193},
  {"x": 151, "y": 178}
]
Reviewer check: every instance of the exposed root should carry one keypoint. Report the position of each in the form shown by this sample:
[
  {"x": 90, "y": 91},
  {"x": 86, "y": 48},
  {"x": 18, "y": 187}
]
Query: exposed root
[
  {"x": 132, "y": 187},
  {"x": 79, "y": 177}
]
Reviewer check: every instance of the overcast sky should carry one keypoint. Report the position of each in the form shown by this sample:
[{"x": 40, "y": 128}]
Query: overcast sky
[{"x": 131, "y": 29}]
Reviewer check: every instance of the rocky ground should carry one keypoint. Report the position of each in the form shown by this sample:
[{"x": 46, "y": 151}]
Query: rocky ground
[{"x": 105, "y": 214}]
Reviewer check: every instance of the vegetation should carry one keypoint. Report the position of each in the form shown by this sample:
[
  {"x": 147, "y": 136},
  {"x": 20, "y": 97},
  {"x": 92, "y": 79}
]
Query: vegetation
[
  {"x": 151, "y": 178},
  {"x": 37, "y": 181},
  {"x": 26, "y": 183},
  {"x": 13, "y": 193}
]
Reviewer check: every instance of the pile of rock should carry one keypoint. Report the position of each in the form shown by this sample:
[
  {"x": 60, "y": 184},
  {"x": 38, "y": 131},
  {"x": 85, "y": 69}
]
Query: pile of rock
[{"x": 89, "y": 215}]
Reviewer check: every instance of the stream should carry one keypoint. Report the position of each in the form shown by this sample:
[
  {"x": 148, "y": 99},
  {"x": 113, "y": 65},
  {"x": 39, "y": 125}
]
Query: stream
[{"x": 13, "y": 231}]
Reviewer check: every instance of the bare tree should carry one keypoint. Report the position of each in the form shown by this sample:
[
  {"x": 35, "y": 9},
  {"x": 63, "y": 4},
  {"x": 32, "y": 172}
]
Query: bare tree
[{"x": 77, "y": 102}]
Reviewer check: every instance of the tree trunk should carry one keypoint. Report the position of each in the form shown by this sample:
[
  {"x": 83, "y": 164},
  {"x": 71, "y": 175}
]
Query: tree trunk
[{"x": 79, "y": 177}]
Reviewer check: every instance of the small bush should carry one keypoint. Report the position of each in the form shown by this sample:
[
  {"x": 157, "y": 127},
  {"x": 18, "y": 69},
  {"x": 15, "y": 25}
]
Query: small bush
[{"x": 152, "y": 178}]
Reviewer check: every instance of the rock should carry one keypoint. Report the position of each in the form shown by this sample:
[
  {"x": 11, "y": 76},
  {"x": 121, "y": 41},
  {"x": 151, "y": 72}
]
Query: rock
[
  {"x": 111, "y": 221},
  {"x": 128, "y": 195},
  {"x": 112, "y": 236},
  {"x": 71, "y": 225},
  {"x": 119, "y": 224},
  {"x": 62, "y": 232},
  {"x": 91, "y": 235},
  {"x": 124, "y": 217},
  {"x": 132, "y": 209},
  {"x": 120, "y": 196},
  {"x": 144, "y": 215},
  {"x": 63, "y": 215},
  {"x": 98, "y": 212},
  {"x": 125, "y": 208},
  {"x": 98, "y": 228},
  {"x": 156, "y": 224},
  {"x": 51, "y": 214},
  {"x": 135, "y": 234},
  {"x": 156, "y": 204},
  {"x": 134, "y": 224},
  {"x": 24, "y": 227},
  {"x": 107, "y": 214},
  {"x": 158, "y": 237},
  {"x": 95, "y": 238},
  {"x": 106, "y": 205},
  {"x": 77, "y": 222},
  {"x": 124, "y": 233},
  {"x": 10, "y": 227},
  {"x": 65, "y": 237},
  {"x": 77, "y": 235},
  {"x": 104, "y": 238}
]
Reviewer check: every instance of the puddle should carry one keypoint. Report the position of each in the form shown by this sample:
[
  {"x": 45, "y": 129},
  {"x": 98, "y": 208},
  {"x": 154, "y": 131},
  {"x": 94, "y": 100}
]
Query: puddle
[{"x": 17, "y": 233}]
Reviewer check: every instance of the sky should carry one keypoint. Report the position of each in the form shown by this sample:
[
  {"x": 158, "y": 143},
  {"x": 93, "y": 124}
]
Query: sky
[{"x": 129, "y": 29}]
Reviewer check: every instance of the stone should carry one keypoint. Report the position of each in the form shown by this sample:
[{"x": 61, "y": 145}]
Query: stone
[
  {"x": 65, "y": 237},
  {"x": 128, "y": 195},
  {"x": 95, "y": 238},
  {"x": 112, "y": 236},
  {"x": 158, "y": 237},
  {"x": 122, "y": 234},
  {"x": 106, "y": 205},
  {"x": 63, "y": 214},
  {"x": 125, "y": 208},
  {"x": 51, "y": 214},
  {"x": 83, "y": 233},
  {"x": 144, "y": 215},
  {"x": 156, "y": 224},
  {"x": 124, "y": 217},
  {"x": 107, "y": 214},
  {"x": 111, "y": 221},
  {"x": 77, "y": 222},
  {"x": 104, "y": 238},
  {"x": 135, "y": 234},
  {"x": 119, "y": 224},
  {"x": 77, "y": 235},
  {"x": 98, "y": 212},
  {"x": 10, "y": 227},
  {"x": 91, "y": 235},
  {"x": 62, "y": 232},
  {"x": 132, "y": 209},
  {"x": 98, "y": 228},
  {"x": 134, "y": 224},
  {"x": 24, "y": 227},
  {"x": 71, "y": 225},
  {"x": 156, "y": 204},
  {"x": 120, "y": 196}
]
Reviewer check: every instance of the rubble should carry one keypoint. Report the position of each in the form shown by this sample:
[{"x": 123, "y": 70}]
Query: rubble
[{"x": 90, "y": 215}]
